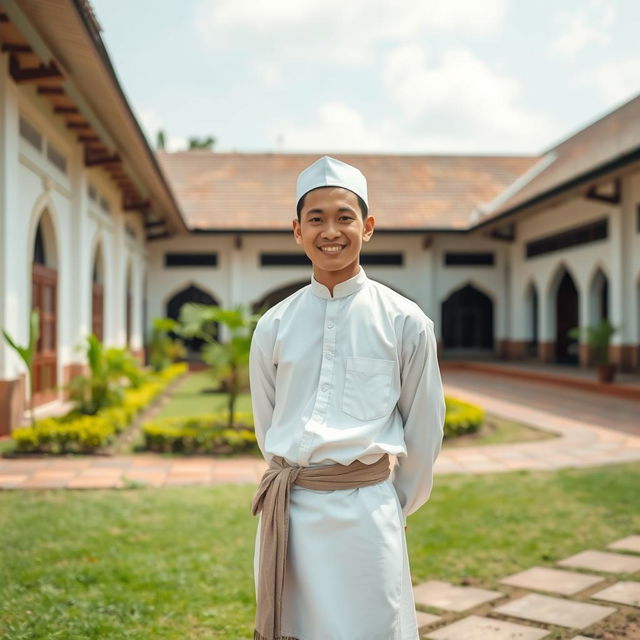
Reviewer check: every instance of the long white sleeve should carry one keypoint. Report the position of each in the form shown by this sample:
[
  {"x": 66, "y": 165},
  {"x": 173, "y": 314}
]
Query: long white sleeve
[
  {"x": 262, "y": 380},
  {"x": 422, "y": 407}
]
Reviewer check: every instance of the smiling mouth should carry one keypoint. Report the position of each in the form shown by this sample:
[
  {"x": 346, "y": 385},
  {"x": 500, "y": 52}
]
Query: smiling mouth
[{"x": 332, "y": 249}]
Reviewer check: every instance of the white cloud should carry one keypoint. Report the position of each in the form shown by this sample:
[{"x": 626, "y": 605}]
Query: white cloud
[
  {"x": 336, "y": 127},
  {"x": 460, "y": 100},
  {"x": 268, "y": 74},
  {"x": 616, "y": 81},
  {"x": 578, "y": 29},
  {"x": 335, "y": 29}
]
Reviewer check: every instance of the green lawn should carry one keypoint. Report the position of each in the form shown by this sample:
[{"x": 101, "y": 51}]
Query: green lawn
[
  {"x": 196, "y": 396},
  {"x": 177, "y": 562}
]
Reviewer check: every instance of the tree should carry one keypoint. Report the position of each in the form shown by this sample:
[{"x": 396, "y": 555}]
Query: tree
[
  {"x": 229, "y": 360},
  {"x": 202, "y": 143},
  {"x": 27, "y": 354},
  {"x": 160, "y": 140}
]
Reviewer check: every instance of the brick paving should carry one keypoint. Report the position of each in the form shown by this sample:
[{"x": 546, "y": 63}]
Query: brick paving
[{"x": 520, "y": 613}]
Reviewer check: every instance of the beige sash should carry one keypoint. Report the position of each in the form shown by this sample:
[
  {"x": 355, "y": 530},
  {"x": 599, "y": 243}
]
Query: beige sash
[{"x": 272, "y": 498}]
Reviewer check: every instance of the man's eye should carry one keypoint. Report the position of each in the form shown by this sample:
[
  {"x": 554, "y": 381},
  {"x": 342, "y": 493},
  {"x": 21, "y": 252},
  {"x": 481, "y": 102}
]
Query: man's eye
[
  {"x": 314, "y": 219},
  {"x": 347, "y": 218}
]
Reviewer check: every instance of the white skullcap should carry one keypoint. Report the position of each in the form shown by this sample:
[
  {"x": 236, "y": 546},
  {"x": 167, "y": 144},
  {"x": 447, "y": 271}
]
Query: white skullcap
[{"x": 329, "y": 172}]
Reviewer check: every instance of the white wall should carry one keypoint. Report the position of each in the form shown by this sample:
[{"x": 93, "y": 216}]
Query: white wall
[{"x": 30, "y": 185}]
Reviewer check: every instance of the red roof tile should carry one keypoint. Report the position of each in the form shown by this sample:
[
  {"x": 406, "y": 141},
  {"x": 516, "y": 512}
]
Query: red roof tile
[{"x": 256, "y": 191}]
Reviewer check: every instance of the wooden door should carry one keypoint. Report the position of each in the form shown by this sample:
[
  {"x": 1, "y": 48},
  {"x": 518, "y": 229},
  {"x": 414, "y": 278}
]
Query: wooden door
[
  {"x": 44, "y": 299},
  {"x": 97, "y": 310}
]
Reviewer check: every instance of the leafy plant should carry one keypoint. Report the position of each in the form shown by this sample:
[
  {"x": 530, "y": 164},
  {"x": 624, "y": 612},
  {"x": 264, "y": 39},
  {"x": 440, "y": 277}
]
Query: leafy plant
[
  {"x": 229, "y": 360},
  {"x": 103, "y": 386},
  {"x": 27, "y": 354},
  {"x": 163, "y": 349},
  {"x": 598, "y": 338}
]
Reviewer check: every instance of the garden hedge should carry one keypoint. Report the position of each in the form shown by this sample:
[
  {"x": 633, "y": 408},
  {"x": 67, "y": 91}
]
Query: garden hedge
[
  {"x": 462, "y": 418},
  {"x": 76, "y": 433},
  {"x": 207, "y": 433}
]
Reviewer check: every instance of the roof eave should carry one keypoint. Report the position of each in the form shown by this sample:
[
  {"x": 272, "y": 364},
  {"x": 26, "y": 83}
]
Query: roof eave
[{"x": 574, "y": 183}]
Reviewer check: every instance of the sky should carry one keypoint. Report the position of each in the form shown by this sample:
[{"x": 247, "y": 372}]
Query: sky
[{"x": 373, "y": 76}]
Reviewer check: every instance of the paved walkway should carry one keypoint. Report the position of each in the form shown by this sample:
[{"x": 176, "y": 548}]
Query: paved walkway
[
  {"x": 588, "y": 593},
  {"x": 575, "y": 416}
]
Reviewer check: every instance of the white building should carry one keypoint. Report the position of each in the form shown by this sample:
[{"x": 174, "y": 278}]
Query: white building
[{"x": 506, "y": 254}]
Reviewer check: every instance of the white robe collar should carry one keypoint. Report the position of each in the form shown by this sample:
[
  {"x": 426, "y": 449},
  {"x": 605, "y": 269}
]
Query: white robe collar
[{"x": 342, "y": 289}]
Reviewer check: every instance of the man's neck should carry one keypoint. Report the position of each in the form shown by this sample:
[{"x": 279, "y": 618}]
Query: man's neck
[{"x": 331, "y": 279}]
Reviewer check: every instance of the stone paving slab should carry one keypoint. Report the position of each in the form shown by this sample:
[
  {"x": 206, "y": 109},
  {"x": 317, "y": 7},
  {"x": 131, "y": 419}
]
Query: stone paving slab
[
  {"x": 443, "y": 595},
  {"x": 621, "y": 593},
  {"x": 478, "y": 628},
  {"x": 548, "y": 610},
  {"x": 631, "y": 543},
  {"x": 565, "y": 583},
  {"x": 603, "y": 561},
  {"x": 425, "y": 619}
]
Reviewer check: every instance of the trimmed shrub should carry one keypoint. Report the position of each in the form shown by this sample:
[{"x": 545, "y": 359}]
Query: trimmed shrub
[
  {"x": 462, "y": 418},
  {"x": 201, "y": 434},
  {"x": 77, "y": 433}
]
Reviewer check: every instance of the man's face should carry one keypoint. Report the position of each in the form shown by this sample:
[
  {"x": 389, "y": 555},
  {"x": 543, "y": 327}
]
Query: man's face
[{"x": 331, "y": 231}]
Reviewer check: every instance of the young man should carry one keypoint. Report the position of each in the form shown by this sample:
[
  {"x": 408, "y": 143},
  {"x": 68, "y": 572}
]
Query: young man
[{"x": 343, "y": 374}]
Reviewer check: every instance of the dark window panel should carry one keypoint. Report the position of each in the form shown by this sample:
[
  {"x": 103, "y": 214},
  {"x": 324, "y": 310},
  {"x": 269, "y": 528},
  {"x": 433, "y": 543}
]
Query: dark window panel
[
  {"x": 469, "y": 258},
  {"x": 191, "y": 260},
  {"x": 56, "y": 158},
  {"x": 30, "y": 134},
  {"x": 577, "y": 236}
]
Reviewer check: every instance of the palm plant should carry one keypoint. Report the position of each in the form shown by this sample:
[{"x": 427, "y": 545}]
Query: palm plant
[
  {"x": 229, "y": 360},
  {"x": 103, "y": 386},
  {"x": 27, "y": 354}
]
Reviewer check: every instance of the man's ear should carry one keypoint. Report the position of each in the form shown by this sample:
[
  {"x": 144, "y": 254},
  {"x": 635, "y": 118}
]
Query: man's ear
[
  {"x": 369, "y": 225},
  {"x": 297, "y": 233}
]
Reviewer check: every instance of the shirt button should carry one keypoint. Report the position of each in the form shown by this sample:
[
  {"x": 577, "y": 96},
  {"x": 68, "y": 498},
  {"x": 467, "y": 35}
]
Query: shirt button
[
  {"x": 328, "y": 356},
  {"x": 325, "y": 387},
  {"x": 330, "y": 325}
]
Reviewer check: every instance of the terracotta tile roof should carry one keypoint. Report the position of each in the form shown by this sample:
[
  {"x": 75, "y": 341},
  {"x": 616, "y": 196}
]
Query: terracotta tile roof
[
  {"x": 612, "y": 137},
  {"x": 256, "y": 191}
]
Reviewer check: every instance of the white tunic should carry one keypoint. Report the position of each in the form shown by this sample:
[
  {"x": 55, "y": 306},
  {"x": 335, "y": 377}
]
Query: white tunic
[{"x": 335, "y": 379}]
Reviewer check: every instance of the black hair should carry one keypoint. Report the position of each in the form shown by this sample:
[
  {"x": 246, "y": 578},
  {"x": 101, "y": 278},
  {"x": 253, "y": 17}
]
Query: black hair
[{"x": 364, "y": 210}]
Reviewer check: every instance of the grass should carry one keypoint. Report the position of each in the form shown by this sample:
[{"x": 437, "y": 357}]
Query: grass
[
  {"x": 177, "y": 562},
  {"x": 192, "y": 398},
  {"x": 499, "y": 430}
]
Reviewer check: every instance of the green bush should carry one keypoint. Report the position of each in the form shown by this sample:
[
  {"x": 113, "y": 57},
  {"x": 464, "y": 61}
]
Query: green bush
[
  {"x": 461, "y": 418},
  {"x": 78, "y": 433},
  {"x": 201, "y": 434}
]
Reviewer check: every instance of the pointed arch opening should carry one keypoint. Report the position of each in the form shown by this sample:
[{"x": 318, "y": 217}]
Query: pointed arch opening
[
  {"x": 467, "y": 320},
  {"x": 174, "y": 305},
  {"x": 274, "y": 296},
  {"x": 44, "y": 299},
  {"x": 566, "y": 304}
]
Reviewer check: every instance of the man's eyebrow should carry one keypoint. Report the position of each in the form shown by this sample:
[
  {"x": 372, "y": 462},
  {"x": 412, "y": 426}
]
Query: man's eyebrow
[{"x": 317, "y": 210}]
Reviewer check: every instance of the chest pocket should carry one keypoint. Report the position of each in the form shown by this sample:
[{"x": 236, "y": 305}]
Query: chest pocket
[{"x": 367, "y": 387}]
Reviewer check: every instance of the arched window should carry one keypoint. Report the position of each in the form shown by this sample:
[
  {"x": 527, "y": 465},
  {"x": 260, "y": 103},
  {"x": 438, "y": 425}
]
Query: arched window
[{"x": 566, "y": 307}]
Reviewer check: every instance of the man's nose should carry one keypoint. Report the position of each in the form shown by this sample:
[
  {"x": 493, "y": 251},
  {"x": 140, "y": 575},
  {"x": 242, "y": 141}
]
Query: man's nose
[{"x": 331, "y": 231}]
